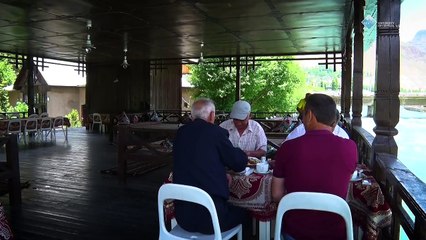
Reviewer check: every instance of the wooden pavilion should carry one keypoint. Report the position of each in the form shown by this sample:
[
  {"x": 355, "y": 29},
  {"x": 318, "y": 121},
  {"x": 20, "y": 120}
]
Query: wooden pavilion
[
  {"x": 132, "y": 52},
  {"x": 40, "y": 88}
]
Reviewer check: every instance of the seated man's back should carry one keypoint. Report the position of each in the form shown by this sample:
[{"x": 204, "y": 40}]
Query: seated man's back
[
  {"x": 201, "y": 153},
  {"x": 315, "y": 162}
]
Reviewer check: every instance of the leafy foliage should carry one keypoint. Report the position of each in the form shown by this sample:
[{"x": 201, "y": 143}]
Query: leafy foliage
[
  {"x": 74, "y": 118},
  {"x": 271, "y": 86},
  {"x": 19, "y": 107},
  {"x": 324, "y": 78},
  {"x": 7, "y": 76}
]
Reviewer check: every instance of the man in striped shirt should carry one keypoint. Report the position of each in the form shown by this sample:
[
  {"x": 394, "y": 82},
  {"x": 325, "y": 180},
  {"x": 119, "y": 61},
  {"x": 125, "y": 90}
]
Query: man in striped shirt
[{"x": 245, "y": 133}]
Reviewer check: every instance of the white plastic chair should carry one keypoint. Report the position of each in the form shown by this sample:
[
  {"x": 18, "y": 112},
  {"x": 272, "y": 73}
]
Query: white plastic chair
[
  {"x": 314, "y": 201},
  {"x": 96, "y": 119},
  {"x": 45, "y": 128},
  {"x": 195, "y": 195},
  {"x": 15, "y": 126},
  {"x": 31, "y": 126},
  {"x": 3, "y": 127},
  {"x": 58, "y": 124}
]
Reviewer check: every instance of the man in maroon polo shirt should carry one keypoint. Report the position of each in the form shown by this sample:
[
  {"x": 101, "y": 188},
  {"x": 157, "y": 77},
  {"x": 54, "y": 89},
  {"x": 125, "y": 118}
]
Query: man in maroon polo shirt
[{"x": 315, "y": 162}]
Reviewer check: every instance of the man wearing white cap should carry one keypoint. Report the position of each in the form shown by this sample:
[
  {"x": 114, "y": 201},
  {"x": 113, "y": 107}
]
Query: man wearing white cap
[{"x": 245, "y": 133}]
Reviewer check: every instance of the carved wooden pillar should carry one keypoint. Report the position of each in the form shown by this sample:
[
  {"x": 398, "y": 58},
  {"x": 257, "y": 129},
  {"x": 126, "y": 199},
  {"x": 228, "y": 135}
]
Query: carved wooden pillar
[
  {"x": 358, "y": 62},
  {"x": 386, "y": 98},
  {"x": 347, "y": 77}
]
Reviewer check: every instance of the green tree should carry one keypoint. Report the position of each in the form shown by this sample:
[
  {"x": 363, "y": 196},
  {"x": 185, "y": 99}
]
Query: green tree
[
  {"x": 74, "y": 118},
  {"x": 19, "y": 107},
  {"x": 271, "y": 86},
  {"x": 335, "y": 84},
  {"x": 7, "y": 77},
  {"x": 320, "y": 76},
  {"x": 214, "y": 82}
]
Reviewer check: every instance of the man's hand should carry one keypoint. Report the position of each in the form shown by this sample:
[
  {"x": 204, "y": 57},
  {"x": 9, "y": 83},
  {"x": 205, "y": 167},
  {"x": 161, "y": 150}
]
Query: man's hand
[{"x": 257, "y": 153}]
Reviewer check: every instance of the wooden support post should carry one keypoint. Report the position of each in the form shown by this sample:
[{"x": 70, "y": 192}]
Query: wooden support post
[
  {"x": 122, "y": 135},
  {"x": 387, "y": 85},
  {"x": 12, "y": 161},
  {"x": 386, "y": 97},
  {"x": 358, "y": 62},
  {"x": 238, "y": 80},
  {"x": 347, "y": 77},
  {"x": 30, "y": 84}
]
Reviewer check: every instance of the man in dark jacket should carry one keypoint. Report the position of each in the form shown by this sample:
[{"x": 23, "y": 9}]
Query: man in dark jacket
[{"x": 202, "y": 152}]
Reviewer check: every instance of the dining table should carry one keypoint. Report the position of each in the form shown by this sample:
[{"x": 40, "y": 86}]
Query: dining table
[
  {"x": 370, "y": 211},
  {"x": 142, "y": 135},
  {"x": 253, "y": 192}
]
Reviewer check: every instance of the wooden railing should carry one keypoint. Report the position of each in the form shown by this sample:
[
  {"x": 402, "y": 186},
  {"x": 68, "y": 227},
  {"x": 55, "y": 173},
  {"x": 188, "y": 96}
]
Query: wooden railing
[
  {"x": 177, "y": 116},
  {"x": 399, "y": 185},
  {"x": 8, "y": 115}
]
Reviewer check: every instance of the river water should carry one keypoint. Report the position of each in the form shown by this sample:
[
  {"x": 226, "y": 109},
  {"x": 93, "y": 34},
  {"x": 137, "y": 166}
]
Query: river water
[
  {"x": 410, "y": 139},
  {"x": 411, "y": 144}
]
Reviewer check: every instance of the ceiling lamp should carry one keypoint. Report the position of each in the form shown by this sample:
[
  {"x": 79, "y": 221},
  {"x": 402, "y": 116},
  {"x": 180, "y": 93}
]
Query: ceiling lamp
[
  {"x": 88, "y": 46},
  {"x": 201, "y": 60},
  {"x": 125, "y": 64}
]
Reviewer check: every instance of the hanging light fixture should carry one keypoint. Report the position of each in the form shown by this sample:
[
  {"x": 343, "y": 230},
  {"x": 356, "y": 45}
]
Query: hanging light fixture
[
  {"x": 88, "y": 46},
  {"x": 201, "y": 60},
  {"x": 125, "y": 64}
]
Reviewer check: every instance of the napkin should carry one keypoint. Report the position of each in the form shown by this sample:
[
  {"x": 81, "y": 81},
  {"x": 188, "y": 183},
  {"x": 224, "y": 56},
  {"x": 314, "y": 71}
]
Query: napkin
[{"x": 247, "y": 171}]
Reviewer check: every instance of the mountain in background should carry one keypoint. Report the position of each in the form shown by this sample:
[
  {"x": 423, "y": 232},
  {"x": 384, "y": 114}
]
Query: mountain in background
[{"x": 413, "y": 63}]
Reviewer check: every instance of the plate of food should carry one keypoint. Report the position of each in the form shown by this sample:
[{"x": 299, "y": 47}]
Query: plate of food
[{"x": 252, "y": 161}]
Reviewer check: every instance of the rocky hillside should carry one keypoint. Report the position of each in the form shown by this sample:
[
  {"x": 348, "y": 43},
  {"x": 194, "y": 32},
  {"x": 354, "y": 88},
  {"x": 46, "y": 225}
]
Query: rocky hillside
[{"x": 413, "y": 62}]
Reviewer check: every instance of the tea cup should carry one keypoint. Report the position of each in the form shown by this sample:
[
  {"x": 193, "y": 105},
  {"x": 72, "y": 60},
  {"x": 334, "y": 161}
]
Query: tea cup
[
  {"x": 262, "y": 167},
  {"x": 355, "y": 175}
]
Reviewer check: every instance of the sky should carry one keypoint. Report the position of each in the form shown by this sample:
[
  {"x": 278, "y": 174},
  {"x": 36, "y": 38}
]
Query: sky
[
  {"x": 58, "y": 75},
  {"x": 412, "y": 18}
]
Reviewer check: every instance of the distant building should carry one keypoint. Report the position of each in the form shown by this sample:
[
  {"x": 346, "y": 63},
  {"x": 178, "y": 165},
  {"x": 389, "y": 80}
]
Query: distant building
[
  {"x": 187, "y": 88},
  {"x": 58, "y": 89}
]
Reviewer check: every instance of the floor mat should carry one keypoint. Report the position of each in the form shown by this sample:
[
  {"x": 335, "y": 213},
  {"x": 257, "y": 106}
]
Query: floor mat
[{"x": 138, "y": 167}]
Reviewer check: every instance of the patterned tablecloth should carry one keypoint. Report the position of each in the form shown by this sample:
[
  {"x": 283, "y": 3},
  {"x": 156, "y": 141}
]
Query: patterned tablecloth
[
  {"x": 253, "y": 192},
  {"x": 369, "y": 209}
]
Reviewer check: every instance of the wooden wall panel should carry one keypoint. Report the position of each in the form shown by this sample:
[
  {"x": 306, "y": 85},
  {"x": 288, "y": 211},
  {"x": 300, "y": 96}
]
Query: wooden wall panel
[
  {"x": 112, "y": 89},
  {"x": 166, "y": 85}
]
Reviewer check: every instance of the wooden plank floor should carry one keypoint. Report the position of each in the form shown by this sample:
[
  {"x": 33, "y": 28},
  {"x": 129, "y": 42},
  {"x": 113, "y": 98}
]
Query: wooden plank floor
[{"x": 69, "y": 198}]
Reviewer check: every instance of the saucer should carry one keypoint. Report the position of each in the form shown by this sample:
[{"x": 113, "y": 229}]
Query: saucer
[
  {"x": 359, "y": 177},
  {"x": 264, "y": 173}
]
